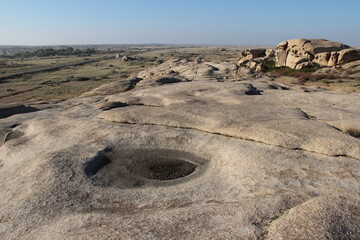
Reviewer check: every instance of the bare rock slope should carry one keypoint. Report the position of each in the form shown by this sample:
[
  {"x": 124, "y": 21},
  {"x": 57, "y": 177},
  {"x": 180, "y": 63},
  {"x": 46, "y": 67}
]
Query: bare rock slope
[{"x": 185, "y": 150}]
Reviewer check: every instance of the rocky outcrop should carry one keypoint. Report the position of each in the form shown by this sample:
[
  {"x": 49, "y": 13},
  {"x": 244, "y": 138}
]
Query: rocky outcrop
[
  {"x": 190, "y": 151},
  {"x": 302, "y": 53},
  {"x": 252, "y": 58},
  {"x": 127, "y": 58}
]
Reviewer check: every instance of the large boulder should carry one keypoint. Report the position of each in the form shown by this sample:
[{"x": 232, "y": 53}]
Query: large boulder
[
  {"x": 315, "y": 46},
  {"x": 250, "y": 54},
  {"x": 254, "y": 53},
  {"x": 295, "y": 52},
  {"x": 348, "y": 55},
  {"x": 293, "y": 59},
  {"x": 322, "y": 58}
]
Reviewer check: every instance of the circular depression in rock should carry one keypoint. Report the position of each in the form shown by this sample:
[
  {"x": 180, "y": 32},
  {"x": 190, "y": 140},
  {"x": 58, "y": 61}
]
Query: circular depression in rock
[
  {"x": 163, "y": 168},
  {"x": 144, "y": 167}
]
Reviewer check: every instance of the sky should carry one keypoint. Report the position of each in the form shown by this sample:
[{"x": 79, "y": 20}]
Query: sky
[{"x": 208, "y": 22}]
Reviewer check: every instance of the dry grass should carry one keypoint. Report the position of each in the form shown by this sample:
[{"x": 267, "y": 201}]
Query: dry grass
[
  {"x": 306, "y": 75},
  {"x": 216, "y": 54},
  {"x": 66, "y": 82},
  {"x": 72, "y": 81},
  {"x": 326, "y": 78}
]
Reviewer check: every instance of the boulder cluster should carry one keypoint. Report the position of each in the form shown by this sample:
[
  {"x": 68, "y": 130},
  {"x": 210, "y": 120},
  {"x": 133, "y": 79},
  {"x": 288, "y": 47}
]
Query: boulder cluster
[
  {"x": 253, "y": 58},
  {"x": 300, "y": 53},
  {"x": 303, "y": 53}
]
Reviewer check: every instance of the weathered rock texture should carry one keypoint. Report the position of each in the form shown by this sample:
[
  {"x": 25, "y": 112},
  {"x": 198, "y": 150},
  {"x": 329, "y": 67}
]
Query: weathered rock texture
[
  {"x": 190, "y": 151},
  {"x": 302, "y": 53},
  {"x": 252, "y": 58}
]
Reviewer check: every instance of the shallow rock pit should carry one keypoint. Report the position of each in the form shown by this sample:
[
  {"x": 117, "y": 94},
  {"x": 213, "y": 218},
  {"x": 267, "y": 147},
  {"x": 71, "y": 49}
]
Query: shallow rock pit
[
  {"x": 144, "y": 167},
  {"x": 163, "y": 169}
]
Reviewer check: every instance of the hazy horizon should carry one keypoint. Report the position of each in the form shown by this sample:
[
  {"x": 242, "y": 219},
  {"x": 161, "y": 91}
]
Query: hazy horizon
[
  {"x": 227, "y": 22},
  {"x": 132, "y": 44}
]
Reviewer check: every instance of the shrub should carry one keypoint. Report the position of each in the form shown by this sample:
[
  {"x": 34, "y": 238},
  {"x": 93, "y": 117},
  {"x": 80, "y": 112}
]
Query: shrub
[
  {"x": 269, "y": 64},
  {"x": 303, "y": 75},
  {"x": 46, "y": 52}
]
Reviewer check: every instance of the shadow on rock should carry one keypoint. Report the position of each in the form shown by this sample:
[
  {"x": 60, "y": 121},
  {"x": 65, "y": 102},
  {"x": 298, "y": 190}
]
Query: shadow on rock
[{"x": 13, "y": 110}]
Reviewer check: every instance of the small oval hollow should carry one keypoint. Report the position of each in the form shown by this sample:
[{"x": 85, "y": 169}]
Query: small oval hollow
[
  {"x": 163, "y": 168},
  {"x": 124, "y": 168}
]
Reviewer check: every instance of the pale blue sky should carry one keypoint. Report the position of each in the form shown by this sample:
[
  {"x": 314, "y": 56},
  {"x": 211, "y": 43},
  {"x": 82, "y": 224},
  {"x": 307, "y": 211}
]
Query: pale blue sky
[{"x": 233, "y": 22}]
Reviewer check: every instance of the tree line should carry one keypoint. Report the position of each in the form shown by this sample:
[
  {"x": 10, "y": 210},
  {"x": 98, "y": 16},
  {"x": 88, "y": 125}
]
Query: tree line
[{"x": 48, "y": 52}]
